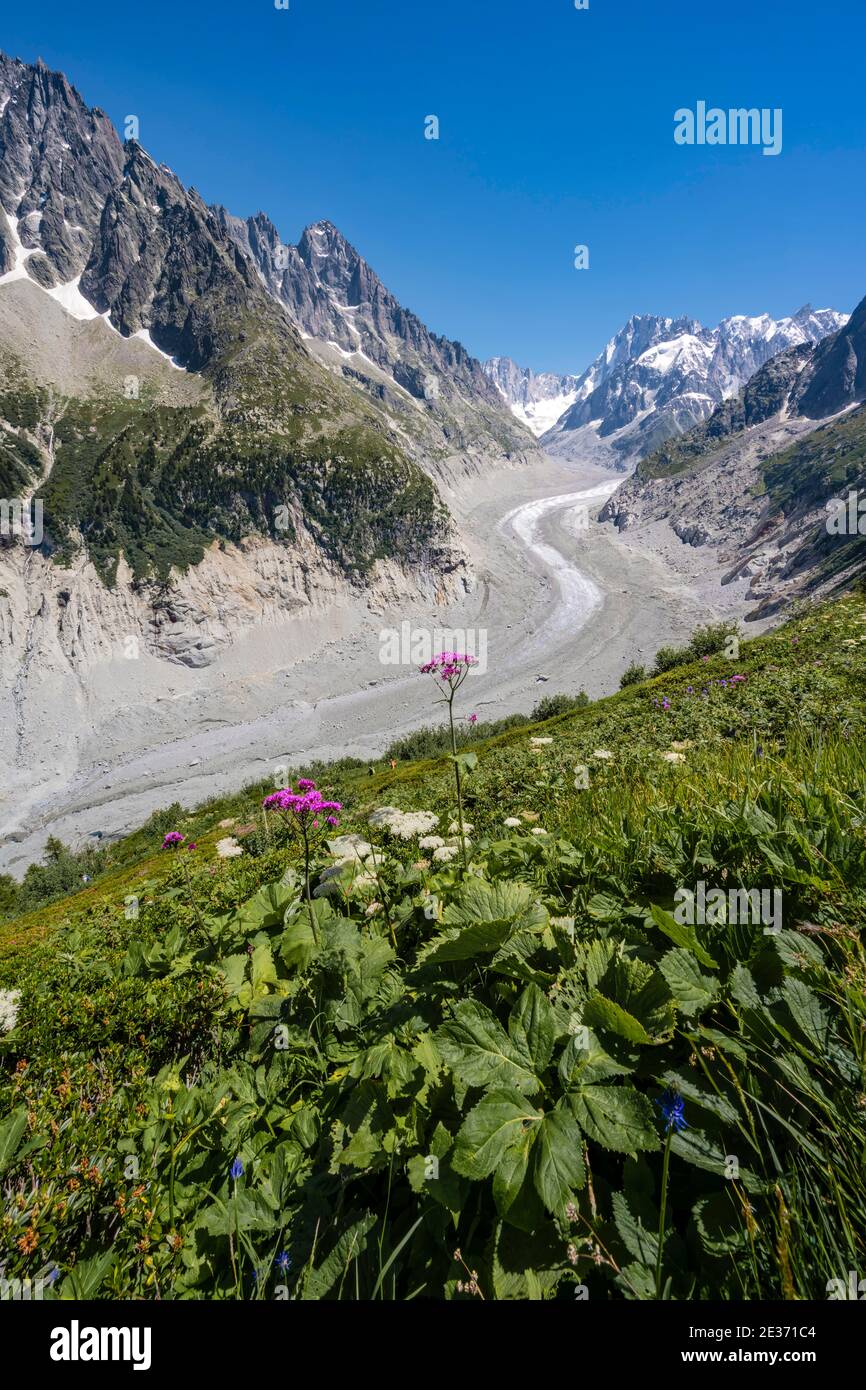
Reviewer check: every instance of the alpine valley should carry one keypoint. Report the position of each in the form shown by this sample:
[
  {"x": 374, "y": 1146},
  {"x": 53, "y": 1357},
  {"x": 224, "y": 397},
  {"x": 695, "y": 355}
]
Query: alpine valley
[
  {"x": 249, "y": 459},
  {"x": 432, "y": 860}
]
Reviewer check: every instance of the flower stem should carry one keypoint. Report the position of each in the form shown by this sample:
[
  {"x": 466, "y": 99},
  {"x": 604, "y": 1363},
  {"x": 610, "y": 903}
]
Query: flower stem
[
  {"x": 307, "y": 893},
  {"x": 457, "y": 776},
  {"x": 663, "y": 1211}
]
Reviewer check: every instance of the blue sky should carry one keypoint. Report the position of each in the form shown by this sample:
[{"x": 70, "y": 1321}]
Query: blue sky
[{"x": 556, "y": 128}]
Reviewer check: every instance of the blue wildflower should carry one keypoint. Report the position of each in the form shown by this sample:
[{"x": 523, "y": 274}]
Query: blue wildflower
[
  {"x": 671, "y": 1106},
  {"x": 237, "y": 1169},
  {"x": 283, "y": 1261}
]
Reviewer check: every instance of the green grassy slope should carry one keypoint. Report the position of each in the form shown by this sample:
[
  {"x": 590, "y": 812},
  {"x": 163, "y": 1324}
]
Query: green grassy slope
[{"x": 503, "y": 1062}]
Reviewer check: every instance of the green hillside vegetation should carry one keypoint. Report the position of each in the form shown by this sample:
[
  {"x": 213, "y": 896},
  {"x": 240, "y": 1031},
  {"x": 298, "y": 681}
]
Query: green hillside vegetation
[
  {"x": 516, "y": 1080},
  {"x": 275, "y": 442}
]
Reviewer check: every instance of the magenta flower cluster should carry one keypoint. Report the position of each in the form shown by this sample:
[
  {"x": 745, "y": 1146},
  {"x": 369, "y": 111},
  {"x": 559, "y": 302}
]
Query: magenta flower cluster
[
  {"x": 448, "y": 665},
  {"x": 174, "y": 840},
  {"x": 307, "y": 803}
]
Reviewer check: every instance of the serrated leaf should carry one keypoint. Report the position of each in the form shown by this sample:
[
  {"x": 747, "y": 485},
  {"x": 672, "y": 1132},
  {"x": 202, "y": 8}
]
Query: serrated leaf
[
  {"x": 617, "y": 1117},
  {"x": 480, "y": 901},
  {"x": 532, "y": 1026},
  {"x": 708, "y": 1100},
  {"x": 743, "y": 988},
  {"x": 797, "y": 951},
  {"x": 642, "y": 992},
  {"x": 691, "y": 989},
  {"x": 510, "y": 1177},
  {"x": 806, "y": 1011},
  {"x": 603, "y": 1013},
  {"x": 478, "y": 1049},
  {"x": 682, "y": 934},
  {"x": 581, "y": 1065},
  {"x": 497, "y": 1122},
  {"x": 698, "y": 1148},
  {"x": 349, "y": 1247},
  {"x": 558, "y": 1167},
  {"x": 477, "y": 939},
  {"x": 637, "y": 1224}
]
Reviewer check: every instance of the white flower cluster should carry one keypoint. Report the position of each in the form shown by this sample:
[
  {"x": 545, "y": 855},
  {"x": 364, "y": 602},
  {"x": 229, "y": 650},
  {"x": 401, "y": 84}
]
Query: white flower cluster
[
  {"x": 404, "y": 825},
  {"x": 9, "y": 1009},
  {"x": 349, "y": 852}
]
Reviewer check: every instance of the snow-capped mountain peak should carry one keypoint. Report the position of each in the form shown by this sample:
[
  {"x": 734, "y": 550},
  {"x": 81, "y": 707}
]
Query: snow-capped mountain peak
[
  {"x": 655, "y": 378},
  {"x": 536, "y": 398}
]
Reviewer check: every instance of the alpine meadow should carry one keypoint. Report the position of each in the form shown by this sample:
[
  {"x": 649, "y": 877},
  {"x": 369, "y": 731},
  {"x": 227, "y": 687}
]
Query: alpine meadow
[{"x": 433, "y": 810}]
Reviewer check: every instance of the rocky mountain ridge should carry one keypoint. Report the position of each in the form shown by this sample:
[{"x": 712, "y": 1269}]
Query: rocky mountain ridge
[
  {"x": 753, "y": 484},
  {"x": 438, "y": 392},
  {"x": 657, "y": 378},
  {"x": 539, "y": 399}
]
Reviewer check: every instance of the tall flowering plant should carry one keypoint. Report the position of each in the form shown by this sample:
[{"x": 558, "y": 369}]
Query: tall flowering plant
[
  {"x": 308, "y": 817},
  {"x": 449, "y": 670}
]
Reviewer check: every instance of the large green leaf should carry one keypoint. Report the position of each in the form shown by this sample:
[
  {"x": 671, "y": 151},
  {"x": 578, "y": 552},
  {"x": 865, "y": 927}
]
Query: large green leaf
[
  {"x": 497, "y": 1122},
  {"x": 617, "y": 1117},
  {"x": 433, "y": 1173},
  {"x": 267, "y": 908},
  {"x": 698, "y": 1148},
  {"x": 692, "y": 990},
  {"x": 477, "y": 939},
  {"x": 558, "y": 1167},
  {"x": 682, "y": 934},
  {"x": 603, "y": 1013},
  {"x": 88, "y": 1275},
  {"x": 247, "y": 1210},
  {"x": 297, "y": 944},
  {"x": 12, "y": 1131},
  {"x": 584, "y": 1061},
  {"x": 637, "y": 1224},
  {"x": 480, "y": 1052},
  {"x": 807, "y": 1013},
  {"x": 263, "y": 975},
  {"x": 707, "y": 1099},
  {"x": 335, "y": 1266},
  {"x": 513, "y": 1193},
  {"x": 502, "y": 901},
  {"x": 642, "y": 992},
  {"x": 532, "y": 1026}
]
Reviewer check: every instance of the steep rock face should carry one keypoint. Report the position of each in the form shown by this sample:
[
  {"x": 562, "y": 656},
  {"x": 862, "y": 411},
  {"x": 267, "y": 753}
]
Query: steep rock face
[
  {"x": 59, "y": 160},
  {"x": 277, "y": 434},
  {"x": 90, "y": 674},
  {"x": 160, "y": 263},
  {"x": 437, "y": 392},
  {"x": 536, "y": 398},
  {"x": 658, "y": 377},
  {"x": 837, "y": 372},
  {"x": 753, "y": 483}
]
